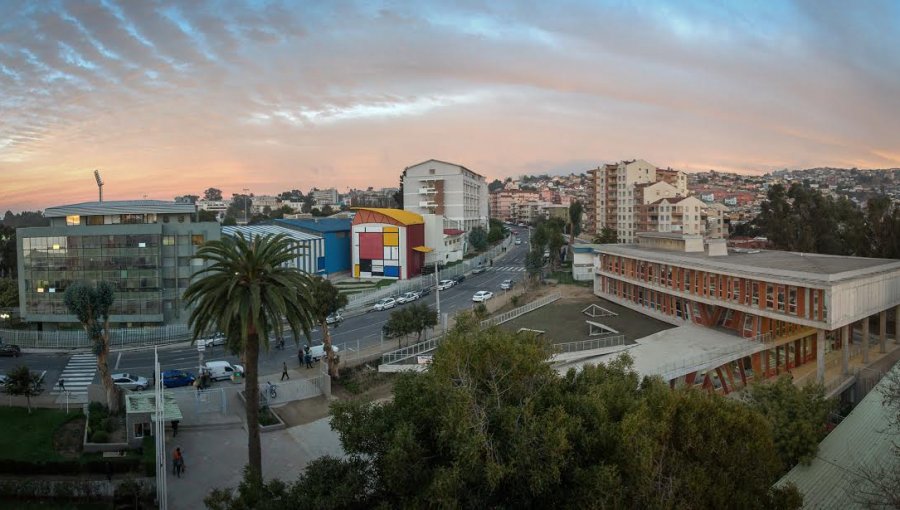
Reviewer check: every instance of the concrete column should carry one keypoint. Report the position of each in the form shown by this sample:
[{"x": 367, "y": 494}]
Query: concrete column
[
  {"x": 882, "y": 330},
  {"x": 845, "y": 350},
  {"x": 897, "y": 325},
  {"x": 820, "y": 356},
  {"x": 865, "y": 340}
]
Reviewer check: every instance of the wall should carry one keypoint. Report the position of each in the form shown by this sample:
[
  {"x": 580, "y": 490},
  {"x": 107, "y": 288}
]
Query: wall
[
  {"x": 337, "y": 251},
  {"x": 373, "y": 239}
]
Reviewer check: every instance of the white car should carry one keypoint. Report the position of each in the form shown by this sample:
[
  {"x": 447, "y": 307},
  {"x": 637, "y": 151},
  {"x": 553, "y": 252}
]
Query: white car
[
  {"x": 518, "y": 242},
  {"x": 482, "y": 295},
  {"x": 334, "y": 318},
  {"x": 130, "y": 382},
  {"x": 445, "y": 284},
  {"x": 217, "y": 339},
  {"x": 318, "y": 351},
  {"x": 409, "y": 297},
  {"x": 384, "y": 304},
  {"x": 506, "y": 284}
]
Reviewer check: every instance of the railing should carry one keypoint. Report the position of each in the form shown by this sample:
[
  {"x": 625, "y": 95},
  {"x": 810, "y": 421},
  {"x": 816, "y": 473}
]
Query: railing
[
  {"x": 512, "y": 314},
  {"x": 78, "y": 339},
  {"x": 725, "y": 355},
  {"x": 591, "y": 343},
  {"x": 410, "y": 351}
]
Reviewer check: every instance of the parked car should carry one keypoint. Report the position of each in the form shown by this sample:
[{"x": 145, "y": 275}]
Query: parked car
[
  {"x": 518, "y": 242},
  {"x": 482, "y": 296},
  {"x": 384, "y": 304},
  {"x": 217, "y": 339},
  {"x": 222, "y": 370},
  {"x": 408, "y": 297},
  {"x": 334, "y": 318},
  {"x": 10, "y": 350},
  {"x": 318, "y": 351},
  {"x": 479, "y": 270},
  {"x": 506, "y": 284},
  {"x": 130, "y": 382},
  {"x": 445, "y": 284},
  {"x": 177, "y": 378},
  {"x": 424, "y": 291},
  {"x": 459, "y": 279}
]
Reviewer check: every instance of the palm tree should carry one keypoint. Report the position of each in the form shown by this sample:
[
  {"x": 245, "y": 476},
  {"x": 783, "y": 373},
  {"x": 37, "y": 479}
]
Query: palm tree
[{"x": 247, "y": 291}]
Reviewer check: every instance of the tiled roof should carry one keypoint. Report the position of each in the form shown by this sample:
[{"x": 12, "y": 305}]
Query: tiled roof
[{"x": 399, "y": 215}]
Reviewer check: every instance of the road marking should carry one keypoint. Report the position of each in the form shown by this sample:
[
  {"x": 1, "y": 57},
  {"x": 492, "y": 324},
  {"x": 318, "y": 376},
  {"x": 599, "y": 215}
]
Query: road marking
[
  {"x": 78, "y": 374},
  {"x": 118, "y": 359}
]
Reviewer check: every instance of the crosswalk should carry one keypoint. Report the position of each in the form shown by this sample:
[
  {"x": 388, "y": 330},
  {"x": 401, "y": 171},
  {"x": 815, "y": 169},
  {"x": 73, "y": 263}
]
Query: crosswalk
[
  {"x": 511, "y": 269},
  {"x": 77, "y": 375}
]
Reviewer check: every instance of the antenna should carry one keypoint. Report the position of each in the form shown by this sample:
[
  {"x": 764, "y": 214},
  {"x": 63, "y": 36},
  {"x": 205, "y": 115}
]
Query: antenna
[{"x": 99, "y": 183}]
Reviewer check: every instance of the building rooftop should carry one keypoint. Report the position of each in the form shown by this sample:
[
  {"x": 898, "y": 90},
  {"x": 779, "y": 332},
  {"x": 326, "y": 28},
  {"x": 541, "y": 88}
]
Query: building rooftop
[
  {"x": 264, "y": 230},
  {"x": 444, "y": 162},
  {"x": 321, "y": 225},
  {"x": 399, "y": 215},
  {"x": 119, "y": 207},
  {"x": 764, "y": 264},
  {"x": 146, "y": 403},
  {"x": 864, "y": 438}
]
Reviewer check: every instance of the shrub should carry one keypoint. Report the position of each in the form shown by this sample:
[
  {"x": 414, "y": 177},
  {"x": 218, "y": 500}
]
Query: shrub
[
  {"x": 515, "y": 300},
  {"x": 100, "y": 436},
  {"x": 110, "y": 424},
  {"x": 96, "y": 408}
]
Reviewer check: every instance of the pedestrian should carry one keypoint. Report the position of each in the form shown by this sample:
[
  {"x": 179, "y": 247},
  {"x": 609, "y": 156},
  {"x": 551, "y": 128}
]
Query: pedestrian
[
  {"x": 284, "y": 372},
  {"x": 178, "y": 462},
  {"x": 308, "y": 358},
  {"x": 300, "y": 357},
  {"x": 174, "y": 428},
  {"x": 62, "y": 385}
]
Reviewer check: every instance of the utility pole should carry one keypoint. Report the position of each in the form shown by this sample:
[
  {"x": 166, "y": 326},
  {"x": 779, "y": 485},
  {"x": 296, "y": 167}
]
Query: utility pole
[
  {"x": 437, "y": 289},
  {"x": 246, "y": 194}
]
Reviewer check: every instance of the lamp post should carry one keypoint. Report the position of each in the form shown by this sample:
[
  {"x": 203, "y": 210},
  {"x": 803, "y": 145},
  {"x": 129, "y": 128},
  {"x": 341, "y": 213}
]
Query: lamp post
[{"x": 246, "y": 197}]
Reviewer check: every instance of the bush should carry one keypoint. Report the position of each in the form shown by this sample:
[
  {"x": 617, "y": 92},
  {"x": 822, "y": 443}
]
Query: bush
[
  {"x": 110, "y": 424},
  {"x": 96, "y": 408},
  {"x": 515, "y": 300},
  {"x": 100, "y": 436},
  {"x": 267, "y": 417}
]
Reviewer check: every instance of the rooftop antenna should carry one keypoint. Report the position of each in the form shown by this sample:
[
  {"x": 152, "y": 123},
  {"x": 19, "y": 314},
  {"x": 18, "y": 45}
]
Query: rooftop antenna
[{"x": 99, "y": 183}]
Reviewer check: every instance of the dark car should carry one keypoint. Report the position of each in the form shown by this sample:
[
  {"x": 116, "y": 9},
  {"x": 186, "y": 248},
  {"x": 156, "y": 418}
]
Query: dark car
[
  {"x": 424, "y": 291},
  {"x": 177, "y": 378},
  {"x": 459, "y": 279},
  {"x": 10, "y": 350},
  {"x": 479, "y": 270}
]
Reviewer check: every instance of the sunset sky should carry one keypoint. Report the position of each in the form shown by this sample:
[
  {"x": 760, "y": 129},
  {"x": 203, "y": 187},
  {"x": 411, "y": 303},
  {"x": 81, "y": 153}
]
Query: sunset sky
[{"x": 171, "y": 98}]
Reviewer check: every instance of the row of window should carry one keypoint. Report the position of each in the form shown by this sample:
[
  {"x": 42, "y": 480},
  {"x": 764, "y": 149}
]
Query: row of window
[{"x": 122, "y": 219}]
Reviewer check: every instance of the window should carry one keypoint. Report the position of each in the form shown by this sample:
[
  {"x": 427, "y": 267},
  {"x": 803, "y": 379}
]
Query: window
[
  {"x": 770, "y": 297},
  {"x": 815, "y": 304},
  {"x": 780, "y": 298},
  {"x": 755, "y": 288},
  {"x": 180, "y": 218},
  {"x": 141, "y": 429},
  {"x": 168, "y": 240},
  {"x": 132, "y": 219},
  {"x": 73, "y": 220},
  {"x": 95, "y": 220},
  {"x": 197, "y": 239}
]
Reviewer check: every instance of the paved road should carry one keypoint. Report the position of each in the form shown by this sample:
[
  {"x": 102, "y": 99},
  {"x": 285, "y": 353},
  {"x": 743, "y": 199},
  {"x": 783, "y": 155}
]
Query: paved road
[{"x": 366, "y": 329}]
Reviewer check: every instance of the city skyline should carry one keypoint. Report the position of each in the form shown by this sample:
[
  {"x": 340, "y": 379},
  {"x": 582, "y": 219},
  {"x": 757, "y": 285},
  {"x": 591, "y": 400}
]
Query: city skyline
[{"x": 169, "y": 98}]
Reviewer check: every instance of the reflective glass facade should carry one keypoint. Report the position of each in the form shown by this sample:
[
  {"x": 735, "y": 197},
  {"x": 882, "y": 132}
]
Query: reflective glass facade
[{"x": 130, "y": 262}]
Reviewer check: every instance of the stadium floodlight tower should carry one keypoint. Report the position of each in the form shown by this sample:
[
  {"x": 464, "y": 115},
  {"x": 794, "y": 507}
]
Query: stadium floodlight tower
[{"x": 99, "y": 183}]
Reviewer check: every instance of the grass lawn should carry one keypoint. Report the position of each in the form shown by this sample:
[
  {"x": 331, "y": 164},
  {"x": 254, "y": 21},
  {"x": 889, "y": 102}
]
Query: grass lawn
[{"x": 29, "y": 437}]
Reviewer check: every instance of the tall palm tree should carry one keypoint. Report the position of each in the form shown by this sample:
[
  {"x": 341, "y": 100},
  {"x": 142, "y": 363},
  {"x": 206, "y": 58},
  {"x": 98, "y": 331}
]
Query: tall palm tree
[{"x": 247, "y": 291}]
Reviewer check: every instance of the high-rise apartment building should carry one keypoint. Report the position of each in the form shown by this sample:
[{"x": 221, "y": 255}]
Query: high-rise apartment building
[
  {"x": 325, "y": 197},
  {"x": 505, "y": 204},
  {"x": 614, "y": 195},
  {"x": 452, "y": 191},
  {"x": 145, "y": 248}
]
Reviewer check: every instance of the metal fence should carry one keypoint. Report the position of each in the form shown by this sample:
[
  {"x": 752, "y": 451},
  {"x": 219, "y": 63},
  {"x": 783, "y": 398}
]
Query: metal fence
[
  {"x": 512, "y": 314},
  {"x": 77, "y": 339},
  {"x": 399, "y": 355},
  {"x": 364, "y": 298},
  {"x": 591, "y": 343}
]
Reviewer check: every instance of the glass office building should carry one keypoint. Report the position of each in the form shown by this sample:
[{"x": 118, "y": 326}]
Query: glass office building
[{"x": 146, "y": 249}]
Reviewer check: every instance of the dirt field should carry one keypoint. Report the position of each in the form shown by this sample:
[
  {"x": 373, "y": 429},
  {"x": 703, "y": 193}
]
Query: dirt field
[
  {"x": 309, "y": 410},
  {"x": 563, "y": 320}
]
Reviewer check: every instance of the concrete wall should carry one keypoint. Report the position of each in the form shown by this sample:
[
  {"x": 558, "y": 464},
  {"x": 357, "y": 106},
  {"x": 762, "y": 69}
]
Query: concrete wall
[{"x": 850, "y": 301}]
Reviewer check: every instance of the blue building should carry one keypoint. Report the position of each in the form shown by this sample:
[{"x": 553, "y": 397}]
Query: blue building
[
  {"x": 308, "y": 248},
  {"x": 335, "y": 231}
]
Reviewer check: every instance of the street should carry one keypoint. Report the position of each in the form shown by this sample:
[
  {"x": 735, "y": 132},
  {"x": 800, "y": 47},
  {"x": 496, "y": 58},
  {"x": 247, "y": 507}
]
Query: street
[{"x": 78, "y": 371}]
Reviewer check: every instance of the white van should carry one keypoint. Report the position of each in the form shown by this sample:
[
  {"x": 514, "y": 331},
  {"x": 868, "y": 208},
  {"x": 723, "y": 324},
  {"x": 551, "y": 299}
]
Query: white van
[
  {"x": 222, "y": 370},
  {"x": 318, "y": 351}
]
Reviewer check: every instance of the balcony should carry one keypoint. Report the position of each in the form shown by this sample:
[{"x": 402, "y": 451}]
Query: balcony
[
  {"x": 427, "y": 191},
  {"x": 428, "y": 203}
]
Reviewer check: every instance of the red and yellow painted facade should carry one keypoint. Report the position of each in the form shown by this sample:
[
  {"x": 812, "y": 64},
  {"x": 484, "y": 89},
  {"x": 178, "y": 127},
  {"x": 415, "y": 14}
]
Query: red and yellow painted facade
[{"x": 387, "y": 243}]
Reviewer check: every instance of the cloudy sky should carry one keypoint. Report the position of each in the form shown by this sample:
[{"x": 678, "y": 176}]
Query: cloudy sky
[{"x": 169, "y": 98}]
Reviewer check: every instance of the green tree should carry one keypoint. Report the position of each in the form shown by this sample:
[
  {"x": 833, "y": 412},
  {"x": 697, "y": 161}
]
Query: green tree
[
  {"x": 326, "y": 299},
  {"x": 91, "y": 305},
  {"x": 414, "y": 318},
  {"x": 575, "y": 212},
  {"x": 251, "y": 494},
  {"x": 607, "y": 236},
  {"x": 8, "y": 252},
  {"x": 248, "y": 290},
  {"x": 205, "y": 215},
  {"x": 797, "y": 416},
  {"x": 229, "y": 221},
  {"x": 534, "y": 263},
  {"x": 9, "y": 293},
  {"x": 495, "y": 185},
  {"x": 555, "y": 242},
  {"x": 21, "y": 382},
  {"x": 212, "y": 194},
  {"x": 478, "y": 238}
]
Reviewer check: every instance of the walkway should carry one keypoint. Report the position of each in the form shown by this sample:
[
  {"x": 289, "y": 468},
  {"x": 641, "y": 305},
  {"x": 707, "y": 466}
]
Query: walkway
[
  {"x": 78, "y": 375},
  {"x": 834, "y": 376}
]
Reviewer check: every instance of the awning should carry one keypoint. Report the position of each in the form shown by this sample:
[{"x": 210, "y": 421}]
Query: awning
[{"x": 422, "y": 249}]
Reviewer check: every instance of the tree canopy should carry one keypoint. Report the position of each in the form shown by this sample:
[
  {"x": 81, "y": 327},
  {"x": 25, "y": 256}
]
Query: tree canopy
[
  {"x": 91, "y": 305},
  {"x": 20, "y": 381},
  {"x": 478, "y": 238}
]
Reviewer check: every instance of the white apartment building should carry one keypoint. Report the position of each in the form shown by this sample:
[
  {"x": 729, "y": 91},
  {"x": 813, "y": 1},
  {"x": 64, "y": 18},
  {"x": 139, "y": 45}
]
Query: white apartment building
[
  {"x": 613, "y": 196},
  {"x": 259, "y": 203},
  {"x": 452, "y": 191},
  {"x": 325, "y": 197},
  {"x": 217, "y": 206}
]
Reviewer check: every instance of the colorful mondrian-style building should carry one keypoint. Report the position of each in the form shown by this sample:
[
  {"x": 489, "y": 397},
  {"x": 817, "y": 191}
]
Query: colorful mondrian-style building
[{"x": 388, "y": 243}]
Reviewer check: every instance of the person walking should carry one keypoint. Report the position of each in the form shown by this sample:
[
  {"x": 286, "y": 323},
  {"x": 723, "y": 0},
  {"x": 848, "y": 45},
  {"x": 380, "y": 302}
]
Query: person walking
[
  {"x": 300, "y": 357},
  {"x": 62, "y": 385},
  {"x": 308, "y": 358},
  {"x": 284, "y": 372},
  {"x": 178, "y": 461}
]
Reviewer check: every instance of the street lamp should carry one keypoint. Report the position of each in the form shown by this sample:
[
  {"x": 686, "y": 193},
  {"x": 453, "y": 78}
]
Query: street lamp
[{"x": 246, "y": 196}]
